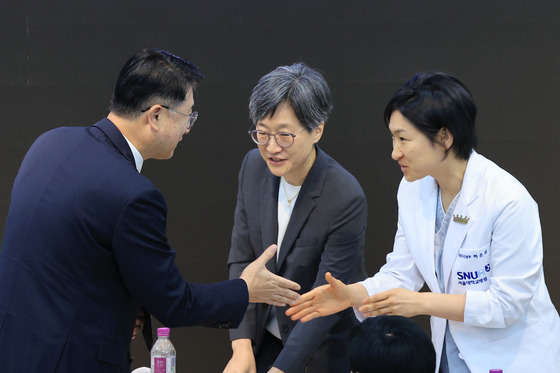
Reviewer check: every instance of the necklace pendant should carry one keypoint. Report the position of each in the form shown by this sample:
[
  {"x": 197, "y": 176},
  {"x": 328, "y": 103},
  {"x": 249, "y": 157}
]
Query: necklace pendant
[{"x": 286, "y": 193}]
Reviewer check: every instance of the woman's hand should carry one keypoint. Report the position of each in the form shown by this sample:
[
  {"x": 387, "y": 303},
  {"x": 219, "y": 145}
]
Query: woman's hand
[
  {"x": 392, "y": 302},
  {"x": 410, "y": 303},
  {"x": 275, "y": 370},
  {"x": 327, "y": 299},
  {"x": 243, "y": 359}
]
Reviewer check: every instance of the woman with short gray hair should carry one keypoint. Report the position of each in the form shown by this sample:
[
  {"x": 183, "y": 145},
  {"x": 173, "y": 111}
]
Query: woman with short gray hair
[{"x": 293, "y": 194}]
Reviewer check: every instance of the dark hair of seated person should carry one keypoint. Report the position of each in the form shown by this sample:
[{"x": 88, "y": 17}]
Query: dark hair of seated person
[{"x": 390, "y": 344}]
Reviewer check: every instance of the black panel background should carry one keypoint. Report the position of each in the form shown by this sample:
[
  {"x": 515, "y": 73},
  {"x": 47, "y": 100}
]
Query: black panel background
[{"x": 59, "y": 60}]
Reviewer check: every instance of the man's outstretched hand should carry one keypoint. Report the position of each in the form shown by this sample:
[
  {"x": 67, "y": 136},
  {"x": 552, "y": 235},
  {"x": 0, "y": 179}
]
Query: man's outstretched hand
[{"x": 266, "y": 287}]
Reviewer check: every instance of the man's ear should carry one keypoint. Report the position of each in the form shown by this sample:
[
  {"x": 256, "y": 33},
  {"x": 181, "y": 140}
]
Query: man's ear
[{"x": 153, "y": 117}]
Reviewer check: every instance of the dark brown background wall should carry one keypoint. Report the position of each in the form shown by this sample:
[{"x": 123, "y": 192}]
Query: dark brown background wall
[{"x": 59, "y": 60}]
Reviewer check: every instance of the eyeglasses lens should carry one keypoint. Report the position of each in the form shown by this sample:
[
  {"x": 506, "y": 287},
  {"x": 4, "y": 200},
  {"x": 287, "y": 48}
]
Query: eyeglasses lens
[{"x": 285, "y": 140}]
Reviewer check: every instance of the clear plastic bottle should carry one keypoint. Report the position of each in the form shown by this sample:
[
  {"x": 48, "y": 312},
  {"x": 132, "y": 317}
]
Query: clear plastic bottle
[{"x": 163, "y": 353}]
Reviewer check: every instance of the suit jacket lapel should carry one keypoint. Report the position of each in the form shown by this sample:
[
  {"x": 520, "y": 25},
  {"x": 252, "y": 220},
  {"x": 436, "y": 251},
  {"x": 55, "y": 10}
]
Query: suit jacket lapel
[
  {"x": 310, "y": 189},
  {"x": 116, "y": 137},
  {"x": 303, "y": 207},
  {"x": 269, "y": 213}
]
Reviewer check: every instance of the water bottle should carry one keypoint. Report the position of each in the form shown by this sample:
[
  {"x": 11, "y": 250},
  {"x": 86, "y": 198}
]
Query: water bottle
[{"x": 163, "y": 353}]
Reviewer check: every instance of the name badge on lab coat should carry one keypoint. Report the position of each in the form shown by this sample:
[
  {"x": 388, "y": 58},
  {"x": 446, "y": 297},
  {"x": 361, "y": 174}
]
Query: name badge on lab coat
[{"x": 472, "y": 269}]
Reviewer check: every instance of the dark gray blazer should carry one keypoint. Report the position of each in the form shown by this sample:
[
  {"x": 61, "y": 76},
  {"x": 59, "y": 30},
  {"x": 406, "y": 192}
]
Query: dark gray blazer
[{"x": 325, "y": 234}]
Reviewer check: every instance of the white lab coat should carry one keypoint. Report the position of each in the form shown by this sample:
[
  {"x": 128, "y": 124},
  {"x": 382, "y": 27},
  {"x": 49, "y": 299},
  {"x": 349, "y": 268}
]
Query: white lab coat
[{"x": 495, "y": 258}]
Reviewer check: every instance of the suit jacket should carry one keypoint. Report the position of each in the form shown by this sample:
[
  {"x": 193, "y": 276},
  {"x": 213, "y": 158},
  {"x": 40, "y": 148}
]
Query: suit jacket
[
  {"x": 325, "y": 233},
  {"x": 84, "y": 248},
  {"x": 492, "y": 253}
]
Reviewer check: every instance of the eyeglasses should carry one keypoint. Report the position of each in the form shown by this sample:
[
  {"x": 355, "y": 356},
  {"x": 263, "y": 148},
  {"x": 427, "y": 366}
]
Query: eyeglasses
[
  {"x": 192, "y": 116},
  {"x": 284, "y": 139}
]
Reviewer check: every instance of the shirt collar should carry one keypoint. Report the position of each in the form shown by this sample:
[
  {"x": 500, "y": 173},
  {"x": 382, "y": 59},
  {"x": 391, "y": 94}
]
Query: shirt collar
[{"x": 137, "y": 156}]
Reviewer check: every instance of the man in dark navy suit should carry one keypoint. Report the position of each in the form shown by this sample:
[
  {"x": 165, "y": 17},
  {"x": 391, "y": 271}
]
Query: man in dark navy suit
[{"x": 85, "y": 245}]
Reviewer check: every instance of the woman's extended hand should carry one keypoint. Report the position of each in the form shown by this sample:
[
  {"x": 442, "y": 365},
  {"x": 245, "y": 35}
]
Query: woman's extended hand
[
  {"x": 410, "y": 303},
  {"x": 242, "y": 359},
  {"x": 326, "y": 299},
  {"x": 392, "y": 302}
]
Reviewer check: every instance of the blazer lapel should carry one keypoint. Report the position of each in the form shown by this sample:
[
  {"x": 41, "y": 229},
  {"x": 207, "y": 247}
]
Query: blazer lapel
[
  {"x": 303, "y": 207},
  {"x": 310, "y": 189},
  {"x": 269, "y": 214},
  {"x": 117, "y": 138}
]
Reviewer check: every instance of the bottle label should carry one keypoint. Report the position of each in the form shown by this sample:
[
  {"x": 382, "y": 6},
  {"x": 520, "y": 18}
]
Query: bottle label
[{"x": 163, "y": 365}]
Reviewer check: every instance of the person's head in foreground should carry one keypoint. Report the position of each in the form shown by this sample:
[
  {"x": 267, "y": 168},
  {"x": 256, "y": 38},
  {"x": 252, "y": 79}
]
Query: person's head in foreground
[{"x": 391, "y": 344}]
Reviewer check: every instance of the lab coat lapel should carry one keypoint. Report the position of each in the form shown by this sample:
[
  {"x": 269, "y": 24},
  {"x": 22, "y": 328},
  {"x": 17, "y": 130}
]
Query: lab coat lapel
[
  {"x": 424, "y": 218},
  {"x": 269, "y": 214},
  {"x": 459, "y": 225},
  {"x": 462, "y": 219}
]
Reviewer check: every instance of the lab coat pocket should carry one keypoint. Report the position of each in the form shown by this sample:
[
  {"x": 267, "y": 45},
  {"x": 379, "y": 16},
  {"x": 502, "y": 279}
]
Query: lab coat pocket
[
  {"x": 517, "y": 349},
  {"x": 472, "y": 269}
]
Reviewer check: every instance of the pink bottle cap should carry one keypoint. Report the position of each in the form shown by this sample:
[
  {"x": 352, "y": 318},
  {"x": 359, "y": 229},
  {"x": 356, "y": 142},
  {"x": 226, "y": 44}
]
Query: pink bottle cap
[{"x": 163, "y": 332}]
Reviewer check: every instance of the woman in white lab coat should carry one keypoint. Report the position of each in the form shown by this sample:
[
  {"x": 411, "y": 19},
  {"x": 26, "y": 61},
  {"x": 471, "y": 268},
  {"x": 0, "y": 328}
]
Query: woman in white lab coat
[{"x": 469, "y": 231}]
